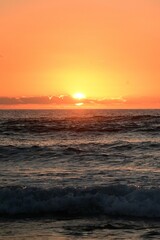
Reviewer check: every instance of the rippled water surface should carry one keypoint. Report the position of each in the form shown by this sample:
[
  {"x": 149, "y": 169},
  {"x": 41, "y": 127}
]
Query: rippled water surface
[{"x": 80, "y": 174}]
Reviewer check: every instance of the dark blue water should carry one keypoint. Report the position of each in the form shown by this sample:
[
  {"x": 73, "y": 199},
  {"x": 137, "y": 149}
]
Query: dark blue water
[{"x": 94, "y": 173}]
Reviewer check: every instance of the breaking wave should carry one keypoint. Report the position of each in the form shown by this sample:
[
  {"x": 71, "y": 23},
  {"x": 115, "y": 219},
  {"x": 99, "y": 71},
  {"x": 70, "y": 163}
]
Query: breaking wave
[{"x": 113, "y": 200}]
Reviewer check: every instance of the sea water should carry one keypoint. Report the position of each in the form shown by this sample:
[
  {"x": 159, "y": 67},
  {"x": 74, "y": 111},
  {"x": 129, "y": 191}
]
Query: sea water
[{"x": 79, "y": 174}]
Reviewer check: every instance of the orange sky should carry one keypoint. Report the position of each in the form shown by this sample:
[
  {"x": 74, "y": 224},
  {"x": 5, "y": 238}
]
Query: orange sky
[{"x": 103, "y": 48}]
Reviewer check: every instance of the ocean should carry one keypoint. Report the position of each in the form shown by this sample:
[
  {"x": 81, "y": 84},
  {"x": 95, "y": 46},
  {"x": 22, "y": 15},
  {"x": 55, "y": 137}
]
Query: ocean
[{"x": 79, "y": 174}]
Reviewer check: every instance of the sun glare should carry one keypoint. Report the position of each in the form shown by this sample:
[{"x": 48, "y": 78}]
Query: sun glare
[
  {"x": 79, "y": 95},
  {"x": 79, "y": 104}
]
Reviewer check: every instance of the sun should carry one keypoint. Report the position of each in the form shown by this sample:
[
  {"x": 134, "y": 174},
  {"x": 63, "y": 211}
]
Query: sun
[{"x": 79, "y": 96}]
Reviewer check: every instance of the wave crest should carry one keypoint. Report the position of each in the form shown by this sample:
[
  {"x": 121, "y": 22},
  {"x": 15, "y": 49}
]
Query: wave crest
[{"x": 114, "y": 200}]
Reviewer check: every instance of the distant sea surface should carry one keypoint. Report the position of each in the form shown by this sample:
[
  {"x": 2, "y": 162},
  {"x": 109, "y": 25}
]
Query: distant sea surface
[{"x": 79, "y": 174}]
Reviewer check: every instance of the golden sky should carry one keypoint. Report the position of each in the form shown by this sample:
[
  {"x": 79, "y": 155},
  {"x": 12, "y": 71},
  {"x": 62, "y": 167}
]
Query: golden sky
[{"x": 106, "y": 49}]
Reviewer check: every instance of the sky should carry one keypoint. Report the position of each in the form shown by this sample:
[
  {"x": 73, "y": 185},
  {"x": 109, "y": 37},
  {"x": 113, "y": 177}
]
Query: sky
[{"x": 106, "y": 49}]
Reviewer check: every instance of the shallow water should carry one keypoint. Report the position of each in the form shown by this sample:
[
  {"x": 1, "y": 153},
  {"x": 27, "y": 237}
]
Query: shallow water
[
  {"x": 83, "y": 228},
  {"x": 74, "y": 174}
]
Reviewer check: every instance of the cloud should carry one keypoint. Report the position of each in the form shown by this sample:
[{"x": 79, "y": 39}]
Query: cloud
[
  {"x": 58, "y": 100},
  {"x": 23, "y": 100},
  {"x": 63, "y": 100}
]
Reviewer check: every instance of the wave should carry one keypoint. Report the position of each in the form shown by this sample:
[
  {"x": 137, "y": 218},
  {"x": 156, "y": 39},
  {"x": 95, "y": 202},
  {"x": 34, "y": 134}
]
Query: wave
[
  {"x": 88, "y": 148},
  {"x": 111, "y": 124},
  {"x": 113, "y": 200},
  {"x": 6, "y": 151}
]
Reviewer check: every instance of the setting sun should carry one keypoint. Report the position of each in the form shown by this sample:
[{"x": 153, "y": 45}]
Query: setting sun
[
  {"x": 79, "y": 95},
  {"x": 95, "y": 51}
]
